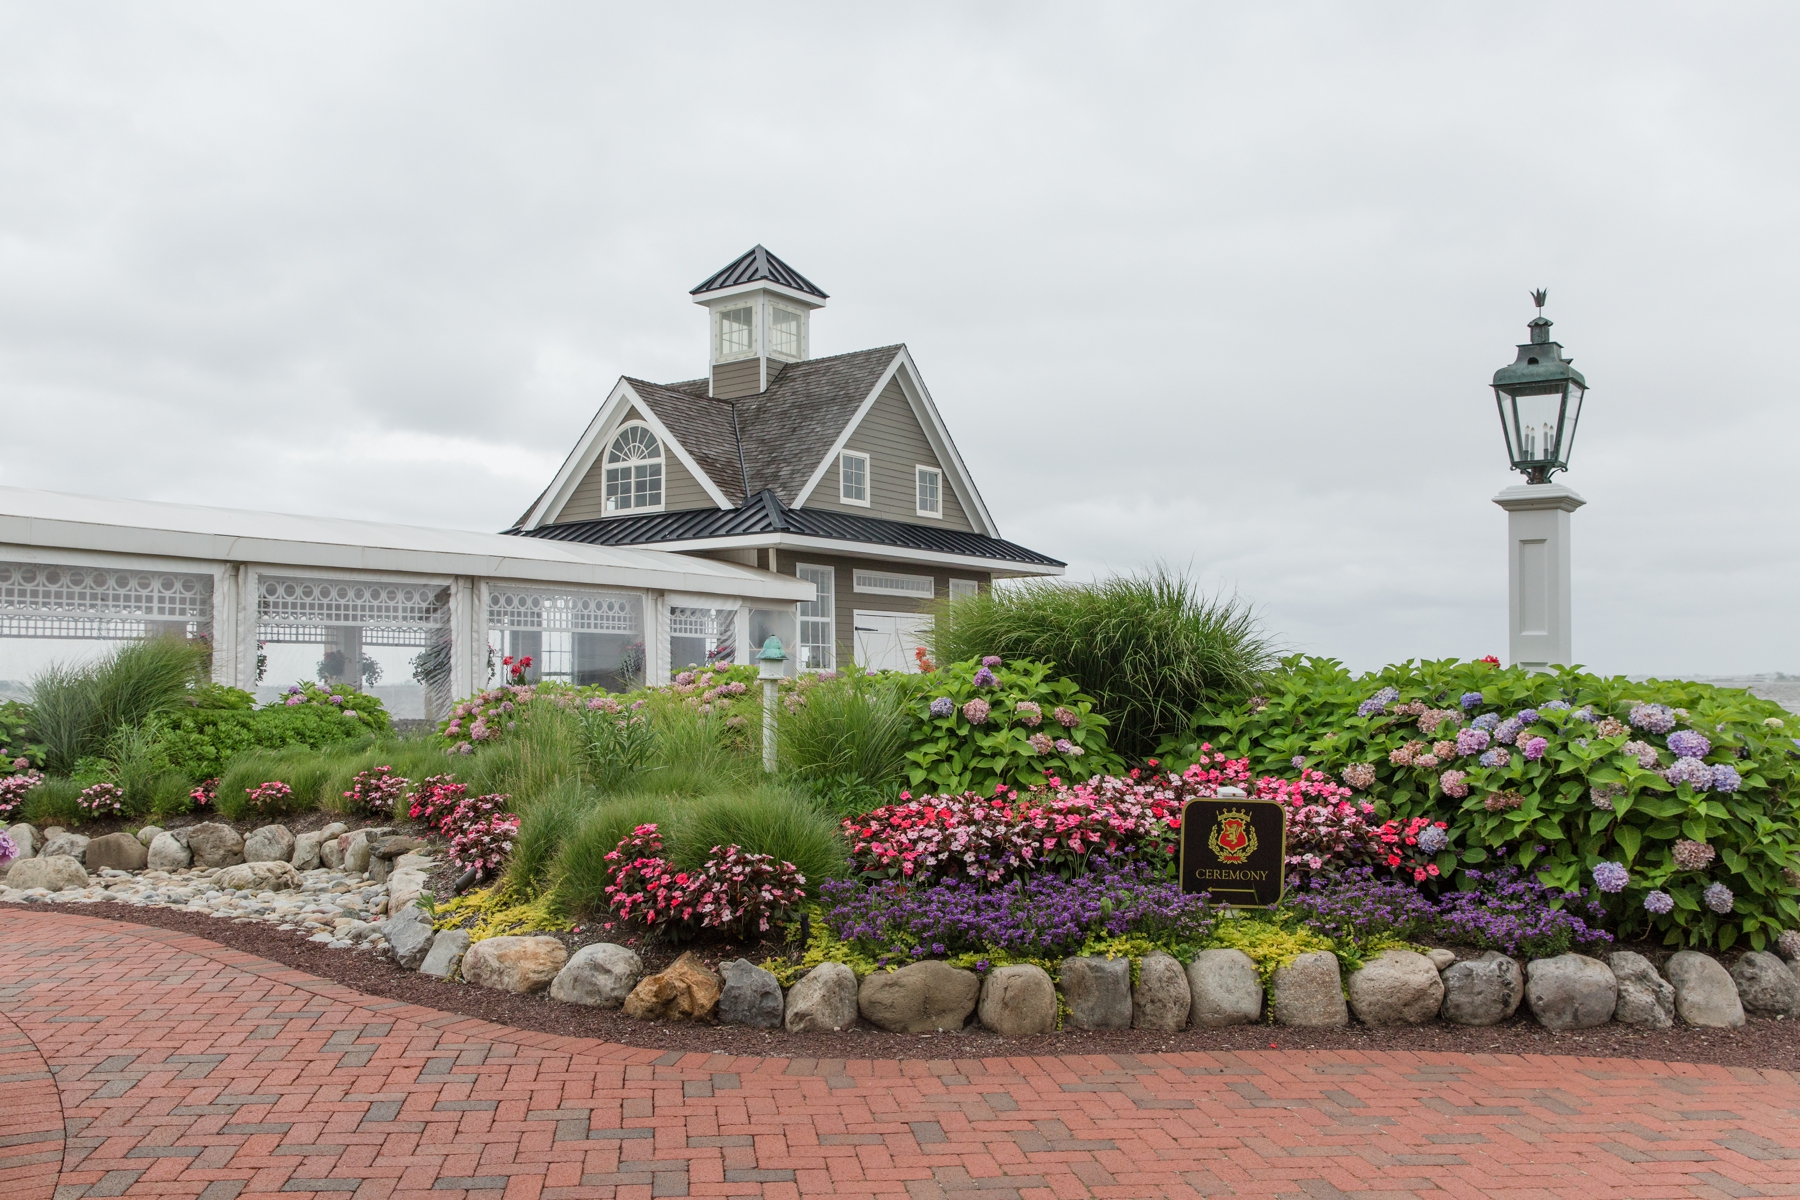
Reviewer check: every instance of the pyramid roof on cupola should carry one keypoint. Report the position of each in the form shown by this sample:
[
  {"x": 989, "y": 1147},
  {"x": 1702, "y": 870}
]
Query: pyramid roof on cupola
[{"x": 758, "y": 265}]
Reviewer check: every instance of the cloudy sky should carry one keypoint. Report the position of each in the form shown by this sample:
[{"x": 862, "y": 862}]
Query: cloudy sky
[{"x": 1216, "y": 285}]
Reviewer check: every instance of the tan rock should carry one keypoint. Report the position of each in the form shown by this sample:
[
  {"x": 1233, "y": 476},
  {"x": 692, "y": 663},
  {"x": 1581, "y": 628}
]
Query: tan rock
[
  {"x": 514, "y": 964},
  {"x": 686, "y": 991},
  {"x": 262, "y": 876}
]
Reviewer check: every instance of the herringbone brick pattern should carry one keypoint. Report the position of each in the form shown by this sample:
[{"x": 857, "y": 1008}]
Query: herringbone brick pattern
[{"x": 187, "y": 1070}]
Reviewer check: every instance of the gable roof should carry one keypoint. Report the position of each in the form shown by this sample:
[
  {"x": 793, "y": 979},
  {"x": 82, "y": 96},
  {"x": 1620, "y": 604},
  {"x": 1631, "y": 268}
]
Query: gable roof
[{"x": 755, "y": 264}]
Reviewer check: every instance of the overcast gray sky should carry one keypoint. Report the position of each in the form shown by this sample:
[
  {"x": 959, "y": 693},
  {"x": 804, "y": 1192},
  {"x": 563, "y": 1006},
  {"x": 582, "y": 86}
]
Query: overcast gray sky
[{"x": 1220, "y": 285}]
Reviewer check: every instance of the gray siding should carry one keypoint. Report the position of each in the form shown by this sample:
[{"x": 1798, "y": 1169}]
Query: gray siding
[
  {"x": 733, "y": 379},
  {"x": 680, "y": 489},
  {"x": 894, "y": 441},
  {"x": 846, "y": 599}
]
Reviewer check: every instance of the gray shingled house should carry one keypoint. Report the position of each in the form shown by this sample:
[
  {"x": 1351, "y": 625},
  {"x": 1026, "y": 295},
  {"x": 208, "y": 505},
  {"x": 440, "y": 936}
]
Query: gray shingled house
[{"x": 837, "y": 470}]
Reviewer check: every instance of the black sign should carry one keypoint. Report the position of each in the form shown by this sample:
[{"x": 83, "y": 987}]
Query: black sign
[{"x": 1234, "y": 848}]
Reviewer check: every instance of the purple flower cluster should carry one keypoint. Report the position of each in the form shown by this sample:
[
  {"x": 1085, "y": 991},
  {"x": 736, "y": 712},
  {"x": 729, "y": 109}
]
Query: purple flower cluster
[
  {"x": 1470, "y": 700},
  {"x": 1659, "y": 902},
  {"x": 1510, "y": 911},
  {"x": 985, "y": 678},
  {"x": 1557, "y": 706},
  {"x": 1611, "y": 876},
  {"x": 1356, "y": 905},
  {"x": 1653, "y": 718},
  {"x": 1042, "y": 915},
  {"x": 1432, "y": 840},
  {"x": 1690, "y": 771},
  {"x": 1718, "y": 897},
  {"x": 943, "y": 706},
  {"x": 1487, "y": 721},
  {"x": 1376, "y": 703},
  {"x": 1527, "y": 716},
  {"x": 1499, "y": 756},
  {"x": 1534, "y": 748},
  {"x": 1472, "y": 741},
  {"x": 1686, "y": 743},
  {"x": 1725, "y": 778},
  {"x": 1508, "y": 730}
]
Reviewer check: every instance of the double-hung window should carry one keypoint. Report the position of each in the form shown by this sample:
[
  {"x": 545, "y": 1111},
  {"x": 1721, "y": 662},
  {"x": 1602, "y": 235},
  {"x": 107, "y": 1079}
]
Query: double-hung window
[
  {"x": 818, "y": 638},
  {"x": 931, "y": 488},
  {"x": 853, "y": 478}
]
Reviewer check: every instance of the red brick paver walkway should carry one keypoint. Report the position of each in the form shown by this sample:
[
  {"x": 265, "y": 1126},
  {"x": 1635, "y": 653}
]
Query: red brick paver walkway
[{"x": 182, "y": 1069}]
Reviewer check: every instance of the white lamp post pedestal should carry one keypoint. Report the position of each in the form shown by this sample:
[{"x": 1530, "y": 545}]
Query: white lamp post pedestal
[{"x": 1537, "y": 573}]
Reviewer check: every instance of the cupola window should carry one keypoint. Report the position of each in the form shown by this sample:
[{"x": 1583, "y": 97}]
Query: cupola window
[
  {"x": 737, "y": 332},
  {"x": 785, "y": 333}
]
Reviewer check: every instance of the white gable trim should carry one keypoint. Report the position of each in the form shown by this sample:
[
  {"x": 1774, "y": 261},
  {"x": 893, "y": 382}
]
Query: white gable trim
[
  {"x": 956, "y": 472},
  {"x": 587, "y": 452}
]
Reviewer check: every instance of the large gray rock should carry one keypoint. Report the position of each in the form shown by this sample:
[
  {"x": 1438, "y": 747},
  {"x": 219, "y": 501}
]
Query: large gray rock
[
  {"x": 53, "y": 871},
  {"x": 26, "y": 838},
  {"x": 1766, "y": 986},
  {"x": 358, "y": 847},
  {"x": 1097, "y": 991},
  {"x": 1226, "y": 989},
  {"x": 751, "y": 996},
  {"x": 1441, "y": 960},
  {"x": 1704, "y": 992},
  {"x": 409, "y": 935},
  {"x": 1308, "y": 992},
  {"x": 271, "y": 843},
  {"x": 446, "y": 954},
  {"x": 331, "y": 851},
  {"x": 306, "y": 851},
  {"x": 215, "y": 845},
  {"x": 1161, "y": 998},
  {"x": 600, "y": 975},
  {"x": 514, "y": 964},
  {"x": 147, "y": 834},
  {"x": 1396, "y": 987},
  {"x": 923, "y": 997},
  {"x": 1481, "y": 991},
  {"x": 404, "y": 887},
  {"x": 394, "y": 845},
  {"x": 120, "y": 851},
  {"x": 168, "y": 853},
  {"x": 259, "y": 877},
  {"x": 72, "y": 845},
  {"x": 1645, "y": 998},
  {"x": 1570, "y": 991},
  {"x": 823, "y": 1000},
  {"x": 1018, "y": 1001}
]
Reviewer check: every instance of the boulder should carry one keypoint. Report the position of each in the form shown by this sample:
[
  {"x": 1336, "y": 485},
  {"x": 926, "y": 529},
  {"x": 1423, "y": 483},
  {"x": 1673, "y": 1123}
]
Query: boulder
[
  {"x": 1766, "y": 986},
  {"x": 264, "y": 876},
  {"x": 306, "y": 851},
  {"x": 72, "y": 845},
  {"x": 355, "y": 847},
  {"x": 1570, "y": 991},
  {"x": 26, "y": 838},
  {"x": 1704, "y": 992},
  {"x": 1441, "y": 959},
  {"x": 392, "y": 847},
  {"x": 215, "y": 845},
  {"x": 403, "y": 888},
  {"x": 1645, "y": 998},
  {"x": 147, "y": 834},
  {"x": 685, "y": 991},
  {"x": 271, "y": 843},
  {"x": 1308, "y": 992},
  {"x": 514, "y": 964},
  {"x": 168, "y": 853},
  {"x": 1226, "y": 989},
  {"x": 408, "y": 933},
  {"x": 1018, "y": 1001},
  {"x": 415, "y": 862},
  {"x": 333, "y": 830},
  {"x": 55, "y": 872},
  {"x": 922, "y": 997},
  {"x": 1481, "y": 991},
  {"x": 751, "y": 996},
  {"x": 1097, "y": 992},
  {"x": 1396, "y": 987},
  {"x": 1161, "y": 998},
  {"x": 120, "y": 851},
  {"x": 600, "y": 975},
  {"x": 446, "y": 955},
  {"x": 331, "y": 851},
  {"x": 823, "y": 1000}
]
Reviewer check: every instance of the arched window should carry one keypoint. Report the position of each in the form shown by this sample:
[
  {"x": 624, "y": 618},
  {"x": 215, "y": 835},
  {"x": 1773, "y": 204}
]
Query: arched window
[{"x": 634, "y": 470}]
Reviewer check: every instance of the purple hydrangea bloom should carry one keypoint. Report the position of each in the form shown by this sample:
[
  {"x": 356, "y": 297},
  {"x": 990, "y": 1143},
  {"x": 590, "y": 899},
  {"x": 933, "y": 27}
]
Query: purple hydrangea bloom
[
  {"x": 1718, "y": 897},
  {"x": 1496, "y": 757},
  {"x": 1653, "y": 718},
  {"x": 1380, "y": 700},
  {"x": 1691, "y": 771},
  {"x": 1527, "y": 716},
  {"x": 1299, "y": 760},
  {"x": 1584, "y": 713},
  {"x": 1487, "y": 721},
  {"x": 943, "y": 706},
  {"x": 1508, "y": 730},
  {"x": 992, "y": 660},
  {"x": 1686, "y": 743},
  {"x": 9, "y": 849},
  {"x": 975, "y": 712},
  {"x": 1611, "y": 876},
  {"x": 985, "y": 678},
  {"x": 1471, "y": 700},
  {"x": 1659, "y": 903},
  {"x": 1725, "y": 778},
  {"x": 1534, "y": 748},
  {"x": 1557, "y": 706},
  {"x": 1433, "y": 839},
  {"x": 1472, "y": 741}
]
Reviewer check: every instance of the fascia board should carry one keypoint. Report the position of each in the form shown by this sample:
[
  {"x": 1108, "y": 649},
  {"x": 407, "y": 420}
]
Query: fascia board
[
  {"x": 999, "y": 566},
  {"x": 843, "y": 437},
  {"x": 708, "y": 299},
  {"x": 580, "y": 460},
  {"x": 939, "y": 435}
]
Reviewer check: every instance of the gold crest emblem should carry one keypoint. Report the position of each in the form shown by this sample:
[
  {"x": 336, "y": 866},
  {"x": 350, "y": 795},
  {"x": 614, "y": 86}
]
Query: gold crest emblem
[{"x": 1233, "y": 837}]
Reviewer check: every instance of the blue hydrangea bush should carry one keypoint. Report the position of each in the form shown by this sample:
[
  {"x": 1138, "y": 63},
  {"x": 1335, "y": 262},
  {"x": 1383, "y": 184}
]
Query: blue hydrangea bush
[
  {"x": 985, "y": 722},
  {"x": 1672, "y": 804}
]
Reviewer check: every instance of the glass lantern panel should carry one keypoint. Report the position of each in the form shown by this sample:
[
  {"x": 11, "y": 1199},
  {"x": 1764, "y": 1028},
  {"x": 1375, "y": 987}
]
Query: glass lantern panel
[
  {"x": 1535, "y": 420},
  {"x": 1571, "y": 419}
]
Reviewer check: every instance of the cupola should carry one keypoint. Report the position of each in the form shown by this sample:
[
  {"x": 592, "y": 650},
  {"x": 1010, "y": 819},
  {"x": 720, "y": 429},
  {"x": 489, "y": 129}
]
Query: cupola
[{"x": 758, "y": 312}]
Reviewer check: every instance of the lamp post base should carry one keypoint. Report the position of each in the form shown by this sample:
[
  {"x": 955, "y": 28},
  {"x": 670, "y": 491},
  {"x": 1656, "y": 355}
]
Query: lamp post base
[{"x": 1537, "y": 574}]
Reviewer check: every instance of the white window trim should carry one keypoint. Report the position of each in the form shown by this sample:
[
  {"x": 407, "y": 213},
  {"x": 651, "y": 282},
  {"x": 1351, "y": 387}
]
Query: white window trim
[
  {"x": 869, "y": 583},
  {"x": 662, "y": 459},
  {"x": 830, "y": 617},
  {"x": 719, "y": 355},
  {"x": 972, "y": 587},
  {"x": 919, "y": 469},
  {"x": 868, "y": 477},
  {"x": 774, "y": 308}
]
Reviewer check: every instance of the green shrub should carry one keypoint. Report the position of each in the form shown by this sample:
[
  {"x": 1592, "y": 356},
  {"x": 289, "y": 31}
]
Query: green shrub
[
  {"x": 16, "y": 736},
  {"x": 850, "y": 733},
  {"x": 53, "y": 802},
  {"x": 1587, "y": 800},
  {"x": 1149, "y": 649},
  {"x": 201, "y": 740},
  {"x": 581, "y": 869},
  {"x": 1022, "y": 717},
  {"x": 768, "y": 819}
]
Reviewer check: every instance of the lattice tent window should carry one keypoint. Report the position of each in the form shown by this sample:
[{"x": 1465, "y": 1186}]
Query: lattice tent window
[
  {"x": 362, "y": 631},
  {"x": 584, "y": 638},
  {"x": 702, "y": 637},
  {"x": 51, "y": 601}
]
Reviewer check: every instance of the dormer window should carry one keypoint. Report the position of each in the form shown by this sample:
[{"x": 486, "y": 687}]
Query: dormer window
[
  {"x": 737, "y": 332},
  {"x": 634, "y": 471},
  {"x": 853, "y": 478},
  {"x": 931, "y": 487},
  {"x": 786, "y": 333}
]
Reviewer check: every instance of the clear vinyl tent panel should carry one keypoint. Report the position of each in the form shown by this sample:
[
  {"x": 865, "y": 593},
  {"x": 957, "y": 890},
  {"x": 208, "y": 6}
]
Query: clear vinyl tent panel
[
  {"x": 388, "y": 638},
  {"x": 701, "y": 637},
  {"x": 53, "y": 613},
  {"x": 589, "y": 639}
]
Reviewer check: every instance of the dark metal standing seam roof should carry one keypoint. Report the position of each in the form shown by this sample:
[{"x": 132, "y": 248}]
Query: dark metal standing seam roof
[
  {"x": 767, "y": 514},
  {"x": 757, "y": 263}
]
